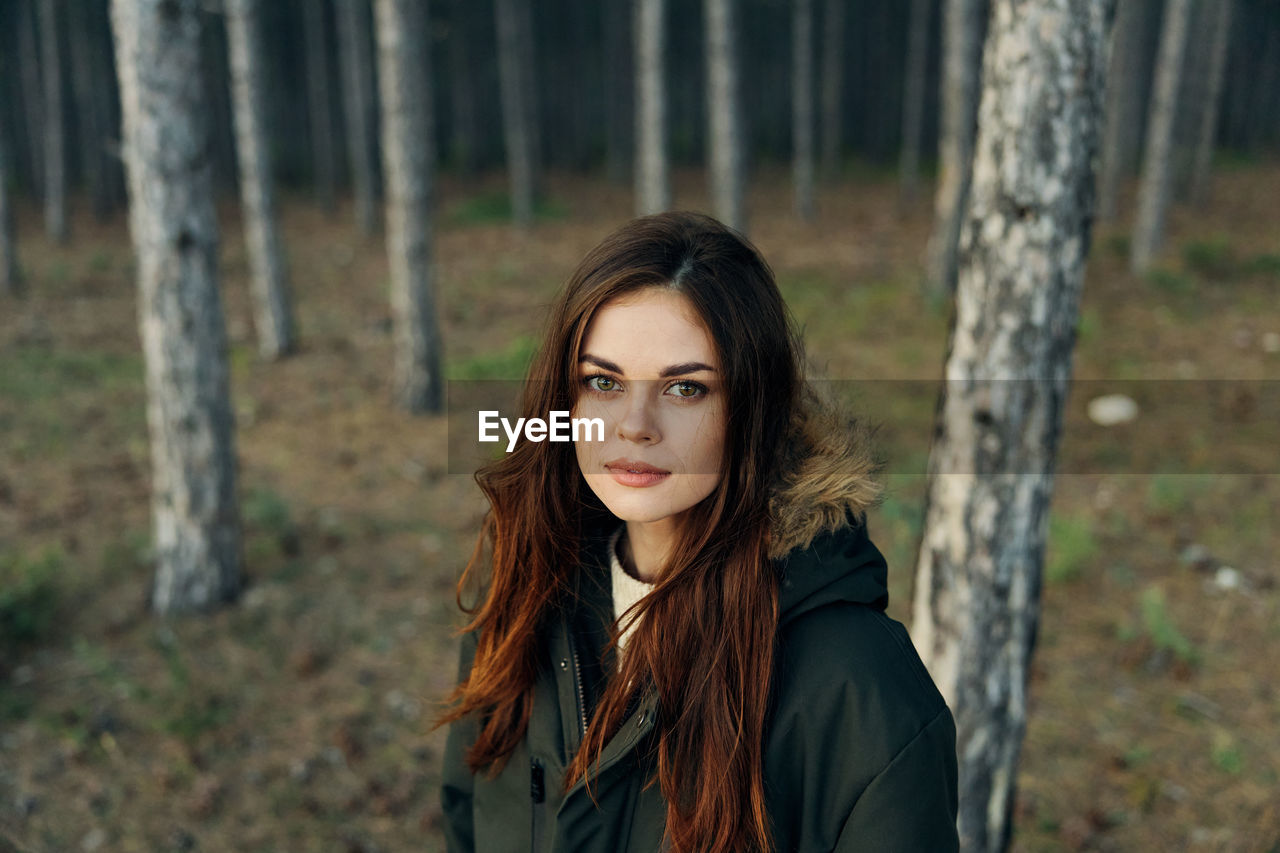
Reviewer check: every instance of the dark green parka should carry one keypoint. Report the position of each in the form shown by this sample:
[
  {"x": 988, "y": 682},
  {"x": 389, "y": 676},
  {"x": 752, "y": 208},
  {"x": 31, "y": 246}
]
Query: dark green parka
[{"x": 860, "y": 746}]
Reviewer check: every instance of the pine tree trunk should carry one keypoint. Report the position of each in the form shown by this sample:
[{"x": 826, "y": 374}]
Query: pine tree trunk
[
  {"x": 10, "y": 283},
  {"x": 653, "y": 166},
  {"x": 619, "y": 103},
  {"x": 1202, "y": 169},
  {"x": 354, "y": 41},
  {"x": 961, "y": 73},
  {"x": 323, "y": 150},
  {"x": 29, "y": 65},
  {"x": 175, "y": 234},
  {"x": 530, "y": 79},
  {"x": 517, "y": 132},
  {"x": 802, "y": 107},
  {"x": 724, "y": 113},
  {"x": 88, "y": 99},
  {"x": 1008, "y": 370},
  {"x": 268, "y": 274},
  {"x": 913, "y": 102},
  {"x": 1123, "y": 121},
  {"x": 55, "y": 161},
  {"x": 1157, "y": 163},
  {"x": 407, "y": 150},
  {"x": 832, "y": 86},
  {"x": 465, "y": 143}
]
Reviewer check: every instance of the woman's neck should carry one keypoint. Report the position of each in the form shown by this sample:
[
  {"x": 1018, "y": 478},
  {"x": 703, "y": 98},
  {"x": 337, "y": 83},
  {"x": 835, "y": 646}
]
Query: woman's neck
[{"x": 644, "y": 548}]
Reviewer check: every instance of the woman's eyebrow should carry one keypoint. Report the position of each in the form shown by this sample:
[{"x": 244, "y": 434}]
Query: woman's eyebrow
[{"x": 673, "y": 370}]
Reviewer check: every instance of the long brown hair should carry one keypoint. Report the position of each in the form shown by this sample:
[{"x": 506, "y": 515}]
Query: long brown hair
[{"x": 718, "y": 591}]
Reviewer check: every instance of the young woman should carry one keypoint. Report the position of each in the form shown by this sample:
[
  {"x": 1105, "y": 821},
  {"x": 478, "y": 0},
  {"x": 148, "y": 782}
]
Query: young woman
[{"x": 680, "y": 641}]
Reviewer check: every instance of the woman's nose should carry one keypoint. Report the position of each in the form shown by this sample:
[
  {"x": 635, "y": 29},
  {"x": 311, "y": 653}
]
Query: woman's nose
[{"x": 637, "y": 421}]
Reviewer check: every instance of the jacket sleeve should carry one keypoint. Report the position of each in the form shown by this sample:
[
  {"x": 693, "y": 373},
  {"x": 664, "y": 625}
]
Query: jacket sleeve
[
  {"x": 456, "y": 788},
  {"x": 912, "y": 804}
]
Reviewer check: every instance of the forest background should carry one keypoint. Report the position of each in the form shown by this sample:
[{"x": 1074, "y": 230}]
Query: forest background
[{"x": 296, "y": 717}]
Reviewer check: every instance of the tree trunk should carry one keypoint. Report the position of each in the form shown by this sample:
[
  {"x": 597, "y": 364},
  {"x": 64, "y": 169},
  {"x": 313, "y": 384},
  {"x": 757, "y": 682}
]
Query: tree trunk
[
  {"x": 517, "y": 131},
  {"x": 653, "y": 166},
  {"x": 1153, "y": 193},
  {"x": 268, "y": 274},
  {"x": 1124, "y": 86},
  {"x": 724, "y": 113},
  {"x": 33, "y": 94},
  {"x": 1202, "y": 167},
  {"x": 55, "y": 161},
  {"x": 354, "y": 43},
  {"x": 408, "y": 152},
  {"x": 832, "y": 86},
  {"x": 10, "y": 282},
  {"x": 619, "y": 102},
  {"x": 802, "y": 107},
  {"x": 323, "y": 151},
  {"x": 175, "y": 234},
  {"x": 1008, "y": 370},
  {"x": 913, "y": 101},
  {"x": 86, "y": 90},
  {"x": 961, "y": 73},
  {"x": 465, "y": 143}
]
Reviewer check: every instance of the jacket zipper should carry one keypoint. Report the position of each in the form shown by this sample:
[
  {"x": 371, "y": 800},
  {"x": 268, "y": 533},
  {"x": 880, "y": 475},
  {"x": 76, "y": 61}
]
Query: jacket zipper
[
  {"x": 577, "y": 683},
  {"x": 538, "y": 794}
]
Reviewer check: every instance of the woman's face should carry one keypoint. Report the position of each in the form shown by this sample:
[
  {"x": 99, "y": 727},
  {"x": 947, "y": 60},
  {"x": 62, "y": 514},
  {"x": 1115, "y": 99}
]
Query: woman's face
[{"x": 649, "y": 370}]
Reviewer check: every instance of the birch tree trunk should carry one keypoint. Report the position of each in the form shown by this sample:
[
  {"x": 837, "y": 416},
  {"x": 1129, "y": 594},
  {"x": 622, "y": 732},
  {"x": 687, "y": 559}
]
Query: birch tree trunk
[
  {"x": 1157, "y": 163},
  {"x": 323, "y": 151},
  {"x": 517, "y": 132},
  {"x": 653, "y": 166},
  {"x": 913, "y": 102},
  {"x": 1202, "y": 166},
  {"x": 1124, "y": 85},
  {"x": 268, "y": 273},
  {"x": 175, "y": 235},
  {"x": 724, "y": 113},
  {"x": 354, "y": 42},
  {"x": 1008, "y": 370},
  {"x": 10, "y": 283},
  {"x": 55, "y": 160},
  {"x": 832, "y": 85},
  {"x": 407, "y": 150},
  {"x": 961, "y": 70},
  {"x": 802, "y": 107}
]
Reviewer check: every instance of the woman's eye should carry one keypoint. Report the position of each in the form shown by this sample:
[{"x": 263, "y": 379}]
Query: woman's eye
[
  {"x": 687, "y": 390},
  {"x": 600, "y": 383}
]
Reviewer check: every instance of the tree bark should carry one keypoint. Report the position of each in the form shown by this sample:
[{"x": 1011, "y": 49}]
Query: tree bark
[
  {"x": 33, "y": 95},
  {"x": 175, "y": 235},
  {"x": 1123, "y": 122},
  {"x": 10, "y": 281},
  {"x": 465, "y": 142},
  {"x": 1008, "y": 370},
  {"x": 407, "y": 150},
  {"x": 961, "y": 72},
  {"x": 724, "y": 113},
  {"x": 323, "y": 150},
  {"x": 653, "y": 164},
  {"x": 620, "y": 103},
  {"x": 86, "y": 90},
  {"x": 802, "y": 107},
  {"x": 832, "y": 86},
  {"x": 518, "y": 131},
  {"x": 268, "y": 273},
  {"x": 354, "y": 41},
  {"x": 1153, "y": 193},
  {"x": 1202, "y": 167},
  {"x": 55, "y": 161},
  {"x": 913, "y": 102}
]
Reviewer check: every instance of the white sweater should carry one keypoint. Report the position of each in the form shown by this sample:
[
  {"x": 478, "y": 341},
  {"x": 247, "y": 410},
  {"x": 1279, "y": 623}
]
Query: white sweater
[{"x": 626, "y": 589}]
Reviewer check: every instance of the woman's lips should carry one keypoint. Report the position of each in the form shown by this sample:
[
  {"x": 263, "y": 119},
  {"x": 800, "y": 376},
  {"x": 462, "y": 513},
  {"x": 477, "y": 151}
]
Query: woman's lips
[{"x": 636, "y": 474}]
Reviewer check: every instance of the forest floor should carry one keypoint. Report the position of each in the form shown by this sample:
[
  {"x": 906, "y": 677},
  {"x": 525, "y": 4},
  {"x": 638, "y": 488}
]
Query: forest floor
[{"x": 297, "y": 719}]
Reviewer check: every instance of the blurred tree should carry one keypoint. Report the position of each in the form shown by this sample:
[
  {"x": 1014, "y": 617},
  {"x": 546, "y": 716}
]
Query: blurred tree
[
  {"x": 55, "y": 160},
  {"x": 464, "y": 144},
  {"x": 354, "y": 53},
  {"x": 1022, "y": 260},
  {"x": 619, "y": 89},
  {"x": 10, "y": 284},
  {"x": 175, "y": 234},
  {"x": 802, "y": 106},
  {"x": 268, "y": 272},
  {"x": 961, "y": 76},
  {"x": 1126, "y": 68},
  {"x": 323, "y": 150},
  {"x": 409, "y": 155},
  {"x": 1219, "y": 42},
  {"x": 519, "y": 113},
  {"x": 913, "y": 102},
  {"x": 833, "y": 33},
  {"x": 33, "y": 95},
  {"x": 90, "y": 103},
  {"x": 725, "y": 142},
  {"x": 1157, "y": 163},
  {"x": 653, "y": 165}
]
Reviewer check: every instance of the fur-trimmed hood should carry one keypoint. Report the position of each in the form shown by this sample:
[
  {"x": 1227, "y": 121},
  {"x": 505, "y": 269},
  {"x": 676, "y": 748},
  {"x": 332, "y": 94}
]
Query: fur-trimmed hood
[{"x": 818, "y": 512}]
